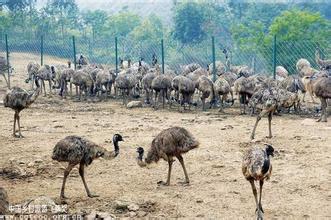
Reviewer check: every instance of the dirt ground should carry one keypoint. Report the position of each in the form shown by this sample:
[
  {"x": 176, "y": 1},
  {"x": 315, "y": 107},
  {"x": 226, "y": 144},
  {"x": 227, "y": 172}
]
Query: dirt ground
[{"x": 299, "y": 188}]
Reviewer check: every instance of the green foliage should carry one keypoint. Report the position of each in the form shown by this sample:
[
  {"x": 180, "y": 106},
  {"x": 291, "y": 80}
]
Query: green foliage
[
  {"x": 96, "y": 21},
  {"x": 297, "y": 25},
  {"x": 17, "y": 5},
  {"x": 188, "y": 22},
  {"x": 248, "y": 36},
  {"x": 122, "y": 24}
]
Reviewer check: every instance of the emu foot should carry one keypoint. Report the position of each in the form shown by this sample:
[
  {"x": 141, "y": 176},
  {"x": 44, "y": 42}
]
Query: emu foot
[
  {"x": 63, "y": 197},
  {"x": 184, "y": 183},
  {"x": 18, "y": 135},
  {"x": 91, "y": 195},
  {"x": 162, "y": 183},
  {"x": 269, "y": 136}
]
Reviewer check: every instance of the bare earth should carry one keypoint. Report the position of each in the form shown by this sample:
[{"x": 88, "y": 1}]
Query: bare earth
[{"x": 300, "y": 187}]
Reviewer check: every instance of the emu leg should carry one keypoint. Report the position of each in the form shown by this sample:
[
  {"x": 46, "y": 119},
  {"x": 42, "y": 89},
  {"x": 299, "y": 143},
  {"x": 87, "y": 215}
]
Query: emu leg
[
  {"x": 254, "y": 193},
  {"x": 203, "y": 99},
  {"x": 155, "y": 100},
  {"x": 232, "y": 99},
  {"x": 257, "y": 121},
  {"x": 147, "y": 96},
  {"x": 43, "y": 86},
  {"x": 221, "y": 103},
  {"x": 324, "y": 113},
  {"x": 19, "y": 126},
  {"x": 50, "y": 86},
  {"x": 181, "y": 160},
  {"x": 260, "y": 204},
  {"x": 163, "y": 98},
  {"x": 170, "y": 161},
  {"x": 269, "y": 122},
  {"x": 66, "y": 174},
  {"x": 14, "y": 129},
  {"x": 71, "y": 89},
  {"x": 244, "y": 103},
  {"x": 81, "y": 173}
]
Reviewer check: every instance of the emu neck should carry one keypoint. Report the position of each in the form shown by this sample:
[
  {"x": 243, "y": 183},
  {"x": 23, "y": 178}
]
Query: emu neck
[
  {"x": 34, "y": 96},
  {"x": 116, "y": 147},
  {"x": 109, "y": 155}
]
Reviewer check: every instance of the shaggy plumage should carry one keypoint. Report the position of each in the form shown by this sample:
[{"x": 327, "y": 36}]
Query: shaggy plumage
[
  {"x": 169, "y": 143},
  {"x": 19, "y": 99},
  {"x": 82, "y": 80},
  {"x": 222, "y": 88},
  {"x": 322, "y": 88},
  {"x": 256, "y": 166},
  {"x": 104, "y": 78},
  {"x": 46, "y": 73},
  {"x": 245, "y": 87},
  {"x": 190, "y": 68},
  {"x": 323, "y": 64},
  {"x": 195, "y": 75},
  {"x": 281, "y": 73},
  {"x": 161, "y": 84},
  {"x": 147, "y": 85},
  {"x": 126, "y": 81},
  {"x": 206, "y": 87},
  {"x": 32, "y": 68},
  {"x": 78, "y": 150},
  {"x": 186, "y": 88},
  {"x": 265, "y": 99}
]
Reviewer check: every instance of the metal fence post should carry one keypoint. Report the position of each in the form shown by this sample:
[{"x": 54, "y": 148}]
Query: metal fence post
[
  {"x": 74, "y": 47},
  {"x": 214, "y": 58},
  {"x": 116, "y": 56},
  {"x": 162, "y": 53},
  {"x": 274, "y": 56},
  {"x": 7, "y": 56},
  {"x": 42, "y": 50}
]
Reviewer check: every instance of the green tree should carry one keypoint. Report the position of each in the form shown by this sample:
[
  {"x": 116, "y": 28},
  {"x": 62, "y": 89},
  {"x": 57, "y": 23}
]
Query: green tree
[
  {"x": 96, "y": 21},
  {"x": 296, "y": 25},
  {"x": 122, "y": 24},
  {"x": 189, "y": 19},
  {"x": 64, "y": 13}
]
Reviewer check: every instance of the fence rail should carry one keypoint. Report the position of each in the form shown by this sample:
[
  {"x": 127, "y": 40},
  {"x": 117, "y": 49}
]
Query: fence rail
[{"x": 262, "y": 58}]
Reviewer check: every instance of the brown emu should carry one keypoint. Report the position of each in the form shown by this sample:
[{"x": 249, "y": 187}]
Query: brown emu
[
  {"x": 19, "y": 99},
  {"x": 322, "y": 88},
  {"x": 78, "y": 150},
  {"x": 266, "y": 100},
  {"x": 256, "y": 166},
  {"x": 169, "y": 143}
]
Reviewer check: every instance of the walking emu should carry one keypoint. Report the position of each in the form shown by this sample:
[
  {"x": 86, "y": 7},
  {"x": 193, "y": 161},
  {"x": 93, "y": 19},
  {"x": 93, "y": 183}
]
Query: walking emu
[
  {"x": 256, "y": 166},
  {"x": 169, "y": 143},
  {"x": 19, "y": 99},
  {"x": 77, "y": 150}
]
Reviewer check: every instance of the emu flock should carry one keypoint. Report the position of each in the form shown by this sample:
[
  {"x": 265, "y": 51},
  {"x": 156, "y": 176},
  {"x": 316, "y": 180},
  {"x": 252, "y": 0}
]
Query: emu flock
[{"x": 194, "y": 85}]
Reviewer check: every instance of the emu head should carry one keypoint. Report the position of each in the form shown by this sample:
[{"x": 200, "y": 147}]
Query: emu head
[
  {"x": 140, "y": 152},
  {"x": 269, "y": 150},
  {"x": 117, "y": 138}
]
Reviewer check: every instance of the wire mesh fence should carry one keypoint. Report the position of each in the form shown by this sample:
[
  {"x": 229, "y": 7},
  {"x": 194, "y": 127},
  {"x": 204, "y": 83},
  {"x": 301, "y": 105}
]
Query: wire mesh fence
[{"x": 50, "y": 50}]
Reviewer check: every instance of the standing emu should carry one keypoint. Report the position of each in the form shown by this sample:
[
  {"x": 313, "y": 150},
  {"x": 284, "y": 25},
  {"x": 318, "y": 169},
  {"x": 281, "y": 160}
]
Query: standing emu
[
  {"x": 77, "y": 150},
  {"x": 256, "y": 166},
  {"x": 19, "y": 99},
  {"x": 169, "y": 143}
]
